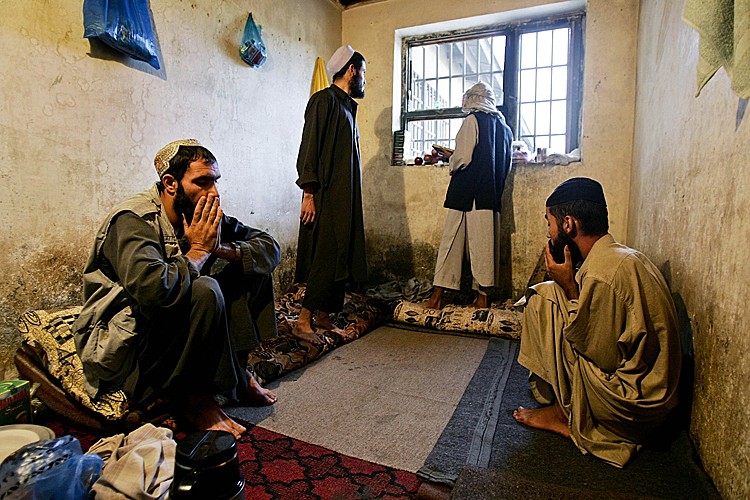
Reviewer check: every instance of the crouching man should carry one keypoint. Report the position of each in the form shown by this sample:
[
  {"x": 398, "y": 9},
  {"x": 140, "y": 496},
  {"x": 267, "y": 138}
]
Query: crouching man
[
  {"x": 602, "y": 343},
  {"x": 154, "y": 322}
]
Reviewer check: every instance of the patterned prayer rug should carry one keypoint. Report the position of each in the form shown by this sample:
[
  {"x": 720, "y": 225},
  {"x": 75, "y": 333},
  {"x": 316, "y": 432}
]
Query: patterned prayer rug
[{"x": 279, "y": 467}]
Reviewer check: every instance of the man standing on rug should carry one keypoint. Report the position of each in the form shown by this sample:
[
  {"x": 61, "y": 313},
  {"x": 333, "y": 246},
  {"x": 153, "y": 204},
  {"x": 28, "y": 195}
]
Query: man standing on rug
[
  {"x": 154, "y": 322},
  {"x": 331, "y": 246},
  {"x": 601, "y": 344},
  {"x": 478, "y": 168}
]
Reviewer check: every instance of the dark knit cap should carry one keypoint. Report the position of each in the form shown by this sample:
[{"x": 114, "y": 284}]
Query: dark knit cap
[{"x": 577, "y": 188}]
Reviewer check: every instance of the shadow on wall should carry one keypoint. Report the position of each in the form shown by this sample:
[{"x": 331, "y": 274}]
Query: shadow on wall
[
  {"x": 390, "y": 251},
  {"x": 100, "y": 50},
  {"x": 507, "y": 228},
  {"x": 681, "y": 414}
]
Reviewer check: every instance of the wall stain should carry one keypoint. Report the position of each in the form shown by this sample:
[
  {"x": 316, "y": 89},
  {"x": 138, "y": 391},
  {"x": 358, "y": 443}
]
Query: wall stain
[
  {"x": 41, "y": 278},
  {"x": 391, "y": 260}
]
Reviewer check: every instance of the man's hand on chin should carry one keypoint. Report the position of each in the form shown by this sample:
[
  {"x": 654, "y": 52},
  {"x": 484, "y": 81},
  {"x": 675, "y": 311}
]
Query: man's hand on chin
[{"x": 563, "y": 274}]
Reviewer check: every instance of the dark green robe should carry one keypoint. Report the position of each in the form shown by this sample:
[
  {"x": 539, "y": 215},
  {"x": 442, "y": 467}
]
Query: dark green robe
[{"x": 329, "y": 162}]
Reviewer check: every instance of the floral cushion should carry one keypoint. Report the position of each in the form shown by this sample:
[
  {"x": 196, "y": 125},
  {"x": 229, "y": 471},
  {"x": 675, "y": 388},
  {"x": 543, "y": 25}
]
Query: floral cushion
[
  {"x": 494, "y": 321},
  {"x": 47, "y": 332}
]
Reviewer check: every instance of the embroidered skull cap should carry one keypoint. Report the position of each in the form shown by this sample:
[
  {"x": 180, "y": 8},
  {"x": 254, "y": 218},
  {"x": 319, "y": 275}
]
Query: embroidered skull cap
[{"x": 165, "y": 154}]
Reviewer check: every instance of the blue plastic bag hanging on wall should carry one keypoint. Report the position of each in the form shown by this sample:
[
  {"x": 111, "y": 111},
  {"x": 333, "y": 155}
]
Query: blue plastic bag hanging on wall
[
  {"x": 252, "y": 50},
  {"x": 124, "y": 25}
]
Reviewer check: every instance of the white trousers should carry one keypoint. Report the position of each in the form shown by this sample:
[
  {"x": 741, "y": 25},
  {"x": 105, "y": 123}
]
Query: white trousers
[{"x": 476, "y": 234}]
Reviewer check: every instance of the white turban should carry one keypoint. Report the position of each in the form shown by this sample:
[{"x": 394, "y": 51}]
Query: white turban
[
  {"x": 480, "y": 97},
  {"x": 339, "y": 59}
]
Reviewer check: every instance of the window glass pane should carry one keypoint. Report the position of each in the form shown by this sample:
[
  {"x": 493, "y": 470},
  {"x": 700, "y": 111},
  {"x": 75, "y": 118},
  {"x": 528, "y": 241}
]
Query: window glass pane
[
  {"x": 459, "y": 59},
  {"x": 430, "y": 94},
  {"x": 543, "y": 84},
  {"x": 497, "y": 88},
  {"x": 485, "y": 55},
  {"x": 557, "y": 144},
  {"x": 425, "y": 133},
  {"x": 441, "y": 72},
  {"x": 560, "y": 82},
  {"x": 530, "y": 143},
  {"x": 559, "y": 117},
  {"x": 457, "y": 92},
  {"x": 444, "y": 59},
  {"x": 544, "y": 48},
  {"x": 528, "y": 50},
  {"x": 470, "y": 81},
  {"x": 417, "y": 95},
  {"x": 542, "y": 118},
  {"x": 416, "y": 56},
  {"x": 498, "y": 53},
  {"x": 528, "y": 85},
  {"x": 560, "y": 46},
  {"x": 430, "y": 61},
  {"x": 443, "y": 93},
  {"x": 528, "y": 115},
  {"x": 472, "y": 59}
]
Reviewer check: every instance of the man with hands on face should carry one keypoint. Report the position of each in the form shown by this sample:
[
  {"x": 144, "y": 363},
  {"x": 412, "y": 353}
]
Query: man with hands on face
[
  {"x": 601, "y": 343},
  {"x": 155, "y": 322}
]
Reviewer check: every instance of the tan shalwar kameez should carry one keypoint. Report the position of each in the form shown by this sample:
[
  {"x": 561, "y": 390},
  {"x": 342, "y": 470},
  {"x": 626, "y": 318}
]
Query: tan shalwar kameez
[{"x": 611, "y": 358}]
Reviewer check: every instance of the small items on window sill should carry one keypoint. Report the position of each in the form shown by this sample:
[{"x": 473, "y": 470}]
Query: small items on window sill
[
  {"x": 426, "y": 160},
  {"x": 542, "y": 158}
]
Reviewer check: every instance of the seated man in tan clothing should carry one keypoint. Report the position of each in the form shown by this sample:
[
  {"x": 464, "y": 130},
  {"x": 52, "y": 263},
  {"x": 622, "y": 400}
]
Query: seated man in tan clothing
[{"x": 601, "y": 343}]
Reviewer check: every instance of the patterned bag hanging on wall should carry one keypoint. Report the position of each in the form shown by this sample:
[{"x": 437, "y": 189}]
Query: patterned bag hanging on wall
[
  {"x": 124, "y": 25},
  {"x": 252, "y": 50}
]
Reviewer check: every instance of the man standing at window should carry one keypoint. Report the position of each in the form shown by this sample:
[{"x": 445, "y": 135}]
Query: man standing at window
[
  {"x": 478, "y": 168},
  {"x": 331, "y": 245}
]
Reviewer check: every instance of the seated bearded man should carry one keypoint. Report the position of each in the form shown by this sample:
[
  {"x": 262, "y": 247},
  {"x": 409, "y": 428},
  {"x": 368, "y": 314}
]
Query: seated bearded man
[
  {"x": 155, "y": 322},
  {"x": 602, "y": 343}
]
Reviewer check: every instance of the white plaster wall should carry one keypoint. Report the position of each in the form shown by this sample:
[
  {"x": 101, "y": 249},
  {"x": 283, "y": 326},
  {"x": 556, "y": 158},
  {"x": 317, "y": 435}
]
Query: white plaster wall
[
  {"x": 689, "y": 212},
  {"x": 403, "y": 205},
  {"x": 78, "y": 131}
]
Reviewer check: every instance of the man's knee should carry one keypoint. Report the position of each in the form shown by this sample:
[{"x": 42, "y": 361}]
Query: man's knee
[{"x": 206, "y": 292}]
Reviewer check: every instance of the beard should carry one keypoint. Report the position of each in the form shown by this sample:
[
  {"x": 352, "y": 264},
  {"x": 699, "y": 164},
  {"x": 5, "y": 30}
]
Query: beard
[
  {"x": 557, "y": 248},
  {"x": 357, "y": 87},
  {"x": 183, "y": 205}
]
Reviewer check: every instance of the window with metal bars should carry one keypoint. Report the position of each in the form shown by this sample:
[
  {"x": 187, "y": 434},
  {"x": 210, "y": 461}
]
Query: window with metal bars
[{"x": 535, "y": 69}]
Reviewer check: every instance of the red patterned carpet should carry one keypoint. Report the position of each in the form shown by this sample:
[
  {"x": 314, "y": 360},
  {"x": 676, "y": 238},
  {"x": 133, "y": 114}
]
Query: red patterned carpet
[{"x": 280, "y": 467}]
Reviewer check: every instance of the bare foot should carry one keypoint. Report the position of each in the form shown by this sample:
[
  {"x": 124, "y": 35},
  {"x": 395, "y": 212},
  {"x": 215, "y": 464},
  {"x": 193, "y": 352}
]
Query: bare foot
[
  {"x": 303, "y": 328},
  {"x": 323, "y": 320},
  {"x": 549, "y": 418},
  {"x": 482, "y": 302},
  {"x": 436, "y": 299},
  {"x": 202, "y": 413},
  {"x": 256, "y": 394}
]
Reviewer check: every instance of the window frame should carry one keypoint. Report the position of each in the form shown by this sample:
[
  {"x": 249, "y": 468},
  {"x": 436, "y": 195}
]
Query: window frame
[{"x": 511, "y": 71}]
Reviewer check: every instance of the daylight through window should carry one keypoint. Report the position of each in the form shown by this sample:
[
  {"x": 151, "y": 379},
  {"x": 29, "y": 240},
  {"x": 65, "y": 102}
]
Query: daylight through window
[{"x": 534, "y": 68}]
